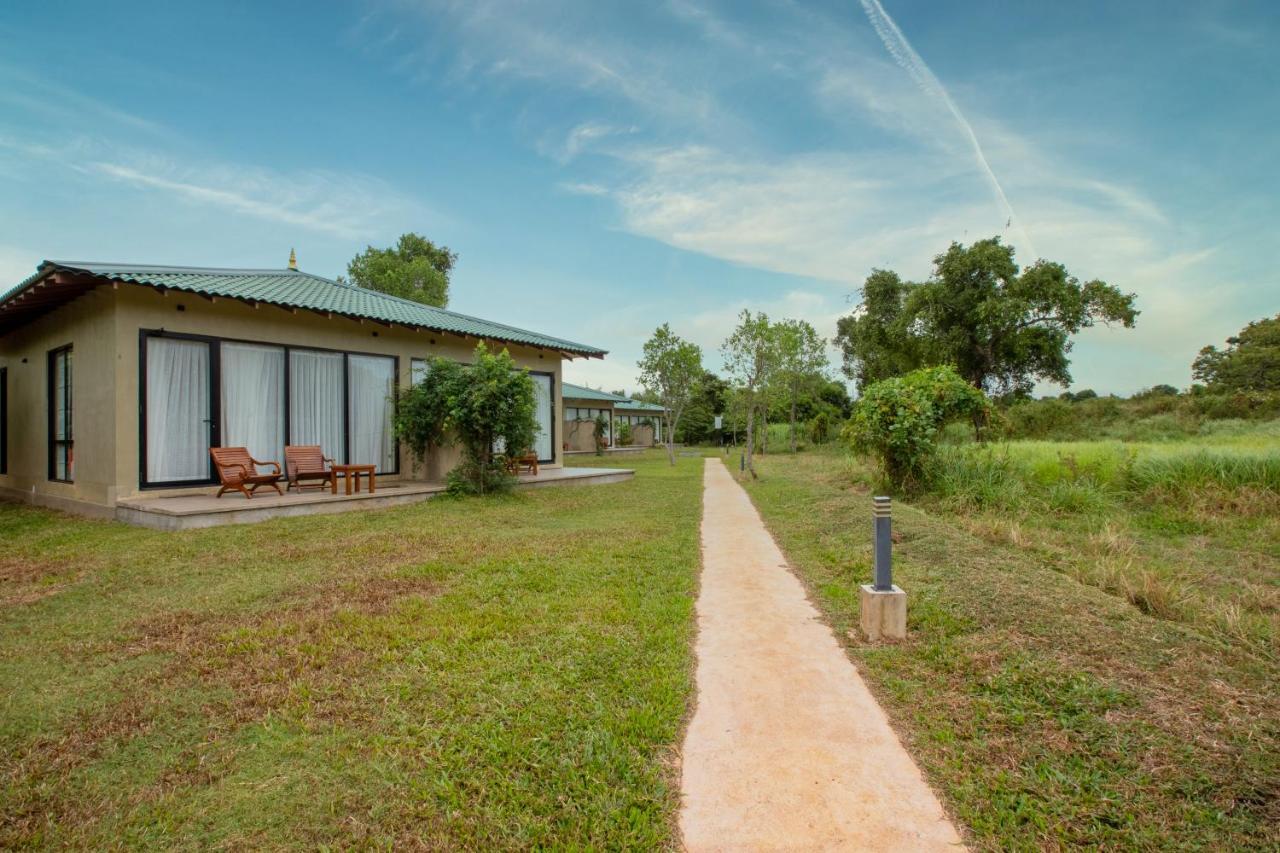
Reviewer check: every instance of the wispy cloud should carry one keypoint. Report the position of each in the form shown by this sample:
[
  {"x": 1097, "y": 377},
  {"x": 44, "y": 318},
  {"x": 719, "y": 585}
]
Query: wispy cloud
[{"x": 906, "y": 57}]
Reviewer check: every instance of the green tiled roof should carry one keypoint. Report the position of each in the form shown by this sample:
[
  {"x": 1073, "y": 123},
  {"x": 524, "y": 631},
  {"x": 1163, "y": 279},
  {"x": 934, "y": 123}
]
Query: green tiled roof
[
  {"x": 579, "y": 392},
  {"x": 295, "y": 289},
  {"x": 637, "y": 405}
]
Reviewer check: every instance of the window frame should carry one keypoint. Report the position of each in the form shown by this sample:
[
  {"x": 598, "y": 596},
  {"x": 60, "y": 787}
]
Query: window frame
[
  {"x": 64, "y": 352},
  {"x": 215, "y": 398},
  {"x": 4, "y": 420}
]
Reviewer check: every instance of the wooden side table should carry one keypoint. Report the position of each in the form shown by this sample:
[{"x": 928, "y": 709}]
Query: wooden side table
[{"x": 350, "y": 472}]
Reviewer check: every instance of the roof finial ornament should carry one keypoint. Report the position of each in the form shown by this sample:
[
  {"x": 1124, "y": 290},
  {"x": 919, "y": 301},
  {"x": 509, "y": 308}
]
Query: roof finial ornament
[{"x": 293, "y": 259}]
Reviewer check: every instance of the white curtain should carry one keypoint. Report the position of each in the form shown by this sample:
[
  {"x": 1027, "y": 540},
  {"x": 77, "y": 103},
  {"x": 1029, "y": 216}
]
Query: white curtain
[
  {"x": 253, "y": 400},
  {"x": 177, "y": 410},
  {"x": 371, "y": 407},
  {"x": 542, "y": 398},
  {"x": 315, "y": 401}
]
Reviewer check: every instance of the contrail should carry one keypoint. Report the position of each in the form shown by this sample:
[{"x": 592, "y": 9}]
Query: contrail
[{"x": 906, "y": 57}]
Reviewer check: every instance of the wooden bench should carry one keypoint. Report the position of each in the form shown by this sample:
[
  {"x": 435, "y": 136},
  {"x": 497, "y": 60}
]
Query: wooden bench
[
  {"x": 527, "y": 460},
  {"x": 307, "y": 462},
  {"x": 238, "y": 471}
]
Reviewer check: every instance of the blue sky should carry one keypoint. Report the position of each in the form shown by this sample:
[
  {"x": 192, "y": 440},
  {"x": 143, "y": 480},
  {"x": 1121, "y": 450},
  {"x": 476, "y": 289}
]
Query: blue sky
[{"x": 603, "y": 168}]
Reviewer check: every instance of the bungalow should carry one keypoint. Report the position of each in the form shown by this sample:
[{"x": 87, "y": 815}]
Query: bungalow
[
  {"x": 116, "y": 379},
  {"x": 644, "y": 421}
]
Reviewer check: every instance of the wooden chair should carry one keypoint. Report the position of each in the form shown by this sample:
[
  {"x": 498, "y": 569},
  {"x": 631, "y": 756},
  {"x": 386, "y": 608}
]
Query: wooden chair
[
  {"x": 238, "y": 471},
  {"x": 307, "y": 462},
  {"x": 527, "y": 460}
]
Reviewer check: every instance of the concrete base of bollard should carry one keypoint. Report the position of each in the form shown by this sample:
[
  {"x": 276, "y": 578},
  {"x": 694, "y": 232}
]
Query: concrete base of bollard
[{"x": 883, "y": 615}]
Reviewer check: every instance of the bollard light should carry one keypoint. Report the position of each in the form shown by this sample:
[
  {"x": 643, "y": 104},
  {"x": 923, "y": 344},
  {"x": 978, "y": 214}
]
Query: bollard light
[
  {"x": 881, "y": 513},
  {"x": 882, "y": 606}
]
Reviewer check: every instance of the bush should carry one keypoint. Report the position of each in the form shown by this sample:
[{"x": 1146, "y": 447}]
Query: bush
[
  {"x": 820, "y": 428},
  {"x": 896, "y": 422},
  {"x": 483, "y": 406}
]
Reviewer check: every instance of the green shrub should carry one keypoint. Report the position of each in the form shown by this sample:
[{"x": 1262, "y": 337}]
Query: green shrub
[
  {"x": 896, "y": 421},
  {"x": 483, "y": 406},
  {"x": 820, "y": 428}
]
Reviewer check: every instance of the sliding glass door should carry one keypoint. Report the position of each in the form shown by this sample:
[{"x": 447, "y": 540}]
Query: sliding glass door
[
  {"x": 253, "y": 399},
  {"x": 370, "y": 410},
  {"x": 543, "y": 441},
  {"x": 178, "y": 420},
  {"x": 317, "y": 401}
]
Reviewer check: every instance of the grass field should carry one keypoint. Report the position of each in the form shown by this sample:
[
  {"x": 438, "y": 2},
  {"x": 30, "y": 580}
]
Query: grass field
[
  {"x": 1092, "y": 658},
  {"x": 505, "y": 672}
]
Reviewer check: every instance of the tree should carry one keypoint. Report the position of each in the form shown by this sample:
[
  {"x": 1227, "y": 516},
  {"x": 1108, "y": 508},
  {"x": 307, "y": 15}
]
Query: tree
[
  {"x": 483, "y": 406},
  {"x": 802, "y": 358},
  {"x": 896, "y": 421},
  {"x": 670, "y": 369},
  {"x": 875, "y": 339},
  {"x": 750, "y": 357},
  {"x": 1003, "y": 328},
  {"x": 415, "y": 269},
  {"x": 699, "y": 422},
  {"x": 1251, "y": 361}
]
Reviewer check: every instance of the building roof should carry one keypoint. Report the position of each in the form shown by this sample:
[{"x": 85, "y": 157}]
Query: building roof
[
  {"x": 639, "y": 405},
  {"x": 580, "y": 392},
  {"x": 56, "y": 282}
]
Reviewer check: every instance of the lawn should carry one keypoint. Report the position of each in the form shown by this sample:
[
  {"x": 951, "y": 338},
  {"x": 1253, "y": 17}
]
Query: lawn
[
  {"x": 1049, "y": 699},
  {"x": 498, "y": 672}
]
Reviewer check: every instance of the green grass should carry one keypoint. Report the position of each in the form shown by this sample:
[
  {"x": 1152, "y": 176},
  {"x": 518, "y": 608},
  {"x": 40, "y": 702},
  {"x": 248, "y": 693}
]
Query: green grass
[
  {"x": 483, "y": 673},
  {"x": 1074, "y": 675}
]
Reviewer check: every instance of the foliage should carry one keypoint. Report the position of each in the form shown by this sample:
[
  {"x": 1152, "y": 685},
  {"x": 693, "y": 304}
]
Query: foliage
[
  {"x": 802, "y": 360},
  {"x": 876, "y": 339},
  {"x": 1251, "y": 361},
  {"x": 1145, "y": 416},
  {"x": 670, "y": 370},
  {"x": 897, "y": 420},
  {"x": 415, "y": 269},
  {"x": 481, "y": 406},
  {"x": 820, "y": 428},
  {"x": 751, "y": 357},
  {"x": 1003, "y": 328},
  {"x": 624, "y": 433},
  {"x": 698, "y": 426},
  {"x": 600, "y": 432}
]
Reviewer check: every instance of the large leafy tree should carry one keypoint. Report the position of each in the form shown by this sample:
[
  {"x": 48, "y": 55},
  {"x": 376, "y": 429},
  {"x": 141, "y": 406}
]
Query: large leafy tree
[
  {"x": 414, "y": 268},
  {"x": 670, "y": 369},
  {"x": 876, "y": 339},
  {"x": 1250, "y": 361},
  {"x": 751, "y": 358},
  {"x": 483, "y": 406},
  {"x": 1002, "y": 327},
  {"x": 802, "y": 362},
  {"x": 699, "y": 422}
]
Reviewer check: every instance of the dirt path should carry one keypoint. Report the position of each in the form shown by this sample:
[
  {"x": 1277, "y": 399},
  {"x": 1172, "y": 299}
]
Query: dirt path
[{"x": 787, "y": 749}]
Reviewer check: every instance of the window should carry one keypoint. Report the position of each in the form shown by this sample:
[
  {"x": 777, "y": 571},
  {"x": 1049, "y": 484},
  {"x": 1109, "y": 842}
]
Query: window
[
  {"x": 543, "y": 442},
  {"x": 200, "y": 392},
  {"x": 4, "y": 420},
  {"x": 370, "y": 410},
  {"x": 317, "y": 394},
  {"x": 253, "y": 399},
  {"x": 417, "y": 370},
  {"x": 61, "y": 450},
  {"x": 178, "y": 419}
]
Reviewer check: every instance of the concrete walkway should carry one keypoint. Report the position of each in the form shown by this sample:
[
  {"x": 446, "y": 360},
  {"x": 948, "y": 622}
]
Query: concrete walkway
[{"x": 787, "y": 750}]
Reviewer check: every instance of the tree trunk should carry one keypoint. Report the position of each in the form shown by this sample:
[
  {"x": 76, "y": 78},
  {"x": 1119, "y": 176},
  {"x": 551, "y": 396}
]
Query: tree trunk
[
  {"x": 671, "y": 439},
  {"x": 793, "y": 422},
  {"x": 751, "y": 438}
]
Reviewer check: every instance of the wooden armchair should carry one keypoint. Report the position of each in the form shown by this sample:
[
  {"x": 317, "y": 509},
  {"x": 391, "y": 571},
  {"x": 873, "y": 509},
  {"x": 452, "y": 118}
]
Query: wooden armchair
[
  {"x": 527, "y": 460},
  {"x": 307, "y": 462},
  {"x": 238, "y": 471}
]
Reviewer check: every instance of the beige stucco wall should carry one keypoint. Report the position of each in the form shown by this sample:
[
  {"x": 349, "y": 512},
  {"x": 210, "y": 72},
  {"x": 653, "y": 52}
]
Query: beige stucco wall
[
  {"x": 104, "y": 327},
  {"x": 88, "y": 324}
]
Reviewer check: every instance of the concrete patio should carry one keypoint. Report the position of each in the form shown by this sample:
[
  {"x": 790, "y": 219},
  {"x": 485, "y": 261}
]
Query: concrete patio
[{"x": 190, "y": 511}]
